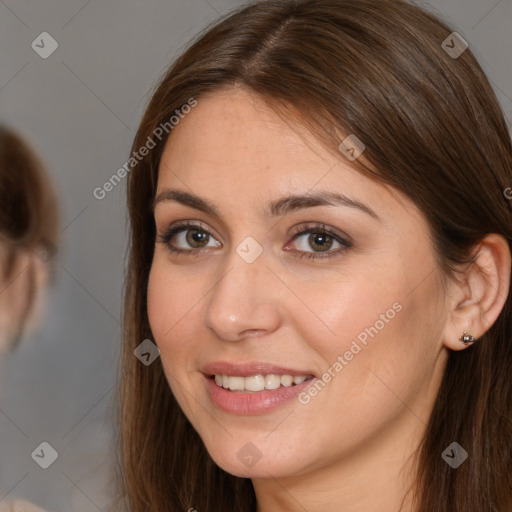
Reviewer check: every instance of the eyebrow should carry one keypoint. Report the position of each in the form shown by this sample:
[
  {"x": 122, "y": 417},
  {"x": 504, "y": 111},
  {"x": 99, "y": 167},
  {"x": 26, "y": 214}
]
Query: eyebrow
[{"x": 280, "y": 206}]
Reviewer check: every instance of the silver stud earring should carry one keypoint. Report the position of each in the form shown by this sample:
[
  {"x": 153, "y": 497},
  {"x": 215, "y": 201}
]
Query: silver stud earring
[{"x": 467, "y": 338}]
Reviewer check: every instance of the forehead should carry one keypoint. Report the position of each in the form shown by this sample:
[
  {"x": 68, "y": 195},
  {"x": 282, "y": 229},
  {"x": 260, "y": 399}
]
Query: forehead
[
  {"x": 233, "y": 146},
  {"x": 235, "y": 127}
]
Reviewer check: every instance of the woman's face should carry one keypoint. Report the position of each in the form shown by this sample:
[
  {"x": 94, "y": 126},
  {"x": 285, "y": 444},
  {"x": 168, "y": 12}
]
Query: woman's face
[{"x": 354, "y": 302}]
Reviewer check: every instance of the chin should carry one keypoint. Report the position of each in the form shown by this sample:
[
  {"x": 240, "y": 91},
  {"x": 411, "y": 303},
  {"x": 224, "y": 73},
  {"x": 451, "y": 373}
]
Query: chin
[
  {"x": 250, "y": 462},
  {"x": 261, "y": 470}
]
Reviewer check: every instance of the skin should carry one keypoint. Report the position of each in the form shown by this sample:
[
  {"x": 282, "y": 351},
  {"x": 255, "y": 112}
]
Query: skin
[
  {"x": 13, "y": 296},
  {"x": 350, "y": 447}
]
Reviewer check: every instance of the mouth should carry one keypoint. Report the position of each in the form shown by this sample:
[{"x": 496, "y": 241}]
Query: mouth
[
  {"x": 259, "y": 382},
  {"x": 253, "y": 388}
]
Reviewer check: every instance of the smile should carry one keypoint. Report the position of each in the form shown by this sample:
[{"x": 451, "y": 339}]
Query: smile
[
  {"x": 254, "y": 394},
  {"x": 257, "y": 383}
]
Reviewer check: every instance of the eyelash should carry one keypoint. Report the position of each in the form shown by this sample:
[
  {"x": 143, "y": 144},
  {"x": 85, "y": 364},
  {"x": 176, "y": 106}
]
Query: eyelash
[{"x": 319, "y": 229}]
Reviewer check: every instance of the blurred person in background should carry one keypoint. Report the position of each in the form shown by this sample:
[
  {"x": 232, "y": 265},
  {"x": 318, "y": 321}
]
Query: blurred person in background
[{"x": 28, "y": 236}]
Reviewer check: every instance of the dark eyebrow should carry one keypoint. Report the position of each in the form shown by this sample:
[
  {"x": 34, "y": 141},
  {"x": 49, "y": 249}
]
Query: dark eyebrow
[
  {"x": 322, "y": 198},
  {"x": 277, "y": 207}
]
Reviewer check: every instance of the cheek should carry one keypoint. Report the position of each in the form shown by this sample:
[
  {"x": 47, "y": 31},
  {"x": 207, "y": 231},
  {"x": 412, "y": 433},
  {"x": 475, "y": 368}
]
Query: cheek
[
  {"x": 378, "y": 327},
  {"x": 172, "y": 304},
  {"x": 344, "y": 310},
  {"x": 377, "y": 360}
]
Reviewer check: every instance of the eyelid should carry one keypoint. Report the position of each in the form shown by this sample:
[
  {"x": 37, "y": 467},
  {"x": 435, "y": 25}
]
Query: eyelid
[
  {"x": 344, "y": 240},
  {"x": 305, "y": 227},
  {"x": 301, "y": 228},
  {"x": 192, "y": 224}
]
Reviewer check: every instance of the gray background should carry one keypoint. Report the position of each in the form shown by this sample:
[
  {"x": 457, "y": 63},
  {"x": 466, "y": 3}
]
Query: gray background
[{"x": 80, "y": 108}]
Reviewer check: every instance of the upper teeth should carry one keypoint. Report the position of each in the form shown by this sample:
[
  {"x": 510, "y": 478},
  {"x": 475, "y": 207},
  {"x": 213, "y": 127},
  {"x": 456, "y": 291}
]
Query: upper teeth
[{"x": 258, "y": 382}]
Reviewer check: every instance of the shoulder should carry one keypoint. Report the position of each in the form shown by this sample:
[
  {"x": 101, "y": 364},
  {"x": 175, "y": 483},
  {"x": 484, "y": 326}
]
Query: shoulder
[{"x": 19, "y": 506}]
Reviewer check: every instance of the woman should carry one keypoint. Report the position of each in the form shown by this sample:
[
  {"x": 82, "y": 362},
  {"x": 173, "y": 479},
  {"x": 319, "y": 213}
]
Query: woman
[
  {"x": 28, "y": 235},
  {"x": 320, "y": 251}
]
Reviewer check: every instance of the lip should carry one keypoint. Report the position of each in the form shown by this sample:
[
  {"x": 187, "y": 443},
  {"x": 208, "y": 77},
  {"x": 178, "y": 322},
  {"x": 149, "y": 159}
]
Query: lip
[
  {"x": 246, "y": 369},
  {"x": 259, "y": 402}
]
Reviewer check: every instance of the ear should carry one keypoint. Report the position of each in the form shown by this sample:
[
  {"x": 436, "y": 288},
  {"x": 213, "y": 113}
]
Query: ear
[
  {"x": 480, "y": 292},
  {"x": 40, "y": 278},
  {"x": 41, "y": 273}
]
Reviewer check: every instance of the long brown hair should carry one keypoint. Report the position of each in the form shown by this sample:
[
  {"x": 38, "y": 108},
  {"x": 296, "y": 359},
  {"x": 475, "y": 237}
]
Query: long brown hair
[{"x": 433, "y": 129}]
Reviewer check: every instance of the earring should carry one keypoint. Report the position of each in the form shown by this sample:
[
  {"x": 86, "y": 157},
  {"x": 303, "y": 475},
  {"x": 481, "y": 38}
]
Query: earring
[{"x": 467, "y": 338}]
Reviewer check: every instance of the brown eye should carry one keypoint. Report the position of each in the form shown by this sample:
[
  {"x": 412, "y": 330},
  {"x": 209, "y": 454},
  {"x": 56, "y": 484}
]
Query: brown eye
[
  {"x": 196, "y": 238},
  {"x": 183, "y": 238},
  {"x": 320, "y": 241},
  {"x": 317, "y": 241}
]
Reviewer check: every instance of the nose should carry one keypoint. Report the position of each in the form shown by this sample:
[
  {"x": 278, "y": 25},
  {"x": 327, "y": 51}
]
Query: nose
[{"x": 244, "y": 301}]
